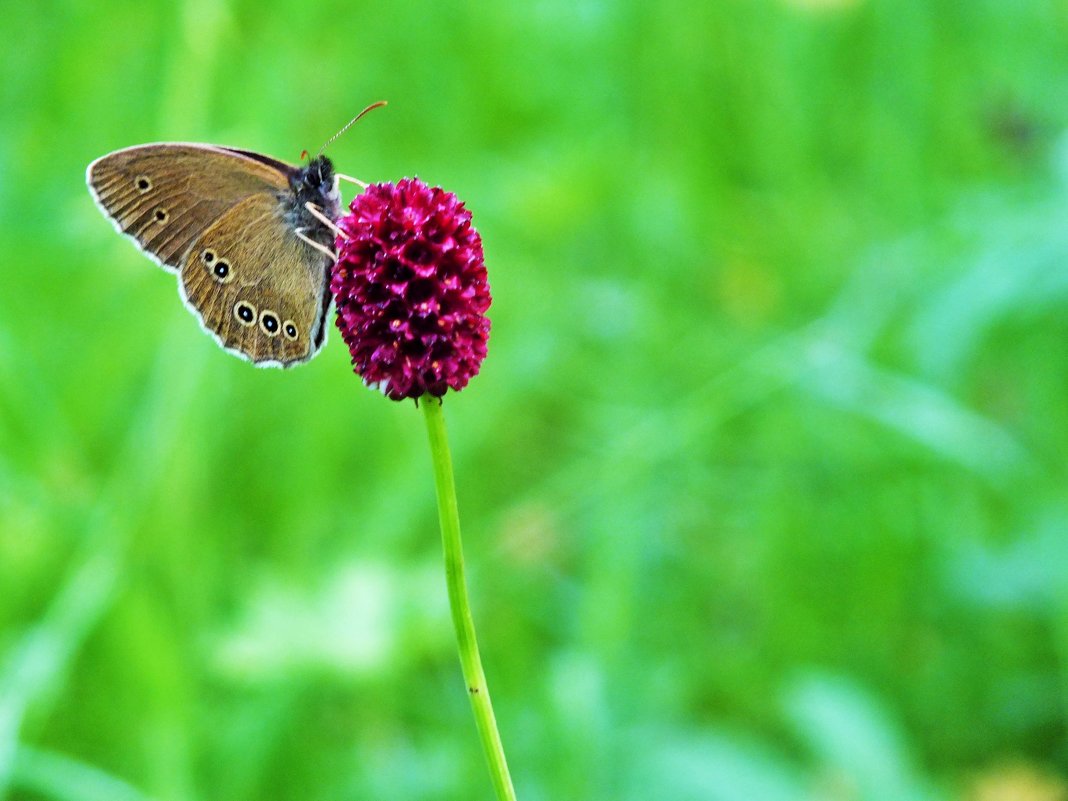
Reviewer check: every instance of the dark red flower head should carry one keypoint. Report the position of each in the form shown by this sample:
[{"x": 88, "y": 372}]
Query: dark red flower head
[{"x": 411, "y": 289}]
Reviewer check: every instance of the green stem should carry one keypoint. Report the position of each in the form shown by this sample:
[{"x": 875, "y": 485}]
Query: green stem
[{"x": 449, "y": 517}]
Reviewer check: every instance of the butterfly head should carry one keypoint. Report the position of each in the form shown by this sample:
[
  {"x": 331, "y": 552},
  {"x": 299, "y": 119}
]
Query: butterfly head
[{"x": 316, "y": 183}]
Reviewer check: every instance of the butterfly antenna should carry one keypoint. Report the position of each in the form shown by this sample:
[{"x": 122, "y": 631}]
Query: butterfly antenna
[{"x": 349, "y": 125}]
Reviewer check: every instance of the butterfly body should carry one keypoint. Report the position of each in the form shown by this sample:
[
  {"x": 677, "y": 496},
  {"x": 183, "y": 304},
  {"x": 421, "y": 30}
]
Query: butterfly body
[{"x": 235, "y": 228}]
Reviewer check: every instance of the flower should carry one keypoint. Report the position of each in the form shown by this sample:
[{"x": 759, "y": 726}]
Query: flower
[{"x": 411, "y": 290}]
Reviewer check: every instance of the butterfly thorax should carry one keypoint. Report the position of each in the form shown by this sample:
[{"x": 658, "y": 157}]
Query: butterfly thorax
[{"x": 314, "y": 184}]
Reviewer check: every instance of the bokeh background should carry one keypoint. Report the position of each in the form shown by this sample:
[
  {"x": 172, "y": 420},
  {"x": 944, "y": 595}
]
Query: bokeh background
[{"x": 763, "y": 483}]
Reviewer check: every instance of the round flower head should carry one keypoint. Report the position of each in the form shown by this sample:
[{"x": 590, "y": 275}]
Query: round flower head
[{"x": 411, "y": 290}]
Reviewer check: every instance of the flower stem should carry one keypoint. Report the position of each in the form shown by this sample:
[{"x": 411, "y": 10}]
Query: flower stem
[{"x": 449, "y": 517}]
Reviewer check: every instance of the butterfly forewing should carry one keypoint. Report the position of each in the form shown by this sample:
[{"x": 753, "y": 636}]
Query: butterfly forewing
[{"x": 163, "y": 196}]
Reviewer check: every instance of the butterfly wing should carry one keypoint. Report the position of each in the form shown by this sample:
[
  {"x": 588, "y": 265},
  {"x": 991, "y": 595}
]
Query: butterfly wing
[
  {"x": 261, "y": 291},
  {"x": 218, "y": 217},
  {"x": 163, "y": 196}
]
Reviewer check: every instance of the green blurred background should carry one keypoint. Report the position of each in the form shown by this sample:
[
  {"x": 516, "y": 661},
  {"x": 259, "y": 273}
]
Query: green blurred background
[{"x": 762, "y": 483}]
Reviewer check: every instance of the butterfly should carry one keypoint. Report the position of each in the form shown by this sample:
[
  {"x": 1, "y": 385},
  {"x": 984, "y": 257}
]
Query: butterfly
[{"x": 249, "y": 237}]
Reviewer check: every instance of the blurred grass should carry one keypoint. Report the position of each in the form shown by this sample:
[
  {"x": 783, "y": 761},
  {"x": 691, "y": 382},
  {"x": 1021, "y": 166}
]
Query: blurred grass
[{"x": 762, "y": 483}]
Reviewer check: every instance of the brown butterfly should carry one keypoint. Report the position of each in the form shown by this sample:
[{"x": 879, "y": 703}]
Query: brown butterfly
[{"x": 249, "y": 236}]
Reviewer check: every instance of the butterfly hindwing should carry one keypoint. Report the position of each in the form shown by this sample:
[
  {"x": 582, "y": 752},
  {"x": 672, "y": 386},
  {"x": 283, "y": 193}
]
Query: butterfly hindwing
[{"x": 256, "y": 286}]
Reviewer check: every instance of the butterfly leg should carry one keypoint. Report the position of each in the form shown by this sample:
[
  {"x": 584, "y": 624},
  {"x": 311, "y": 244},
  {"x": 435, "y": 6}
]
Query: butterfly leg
[
  {"x": 317, "y": 213},
  {"x": 321, "y": 248},
  {"x": 351, "y": 180}
]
